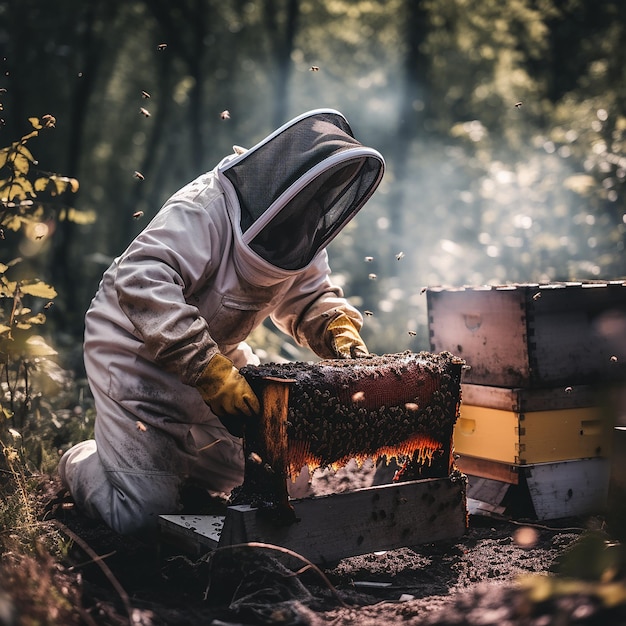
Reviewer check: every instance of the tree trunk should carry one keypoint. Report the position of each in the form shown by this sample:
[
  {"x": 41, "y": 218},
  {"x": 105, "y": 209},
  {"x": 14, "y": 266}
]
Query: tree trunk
[{"x": 412, "y": 105}]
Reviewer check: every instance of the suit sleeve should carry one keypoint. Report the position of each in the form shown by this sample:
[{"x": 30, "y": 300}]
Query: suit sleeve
[
  {"x": 168, "y": 261},
  {"x": 310, "y": 306}
]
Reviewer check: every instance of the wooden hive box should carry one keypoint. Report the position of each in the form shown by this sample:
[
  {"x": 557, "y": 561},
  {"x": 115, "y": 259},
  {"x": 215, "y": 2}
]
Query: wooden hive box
[
  {"x": 532, "y": 335},
  {"x": 527, "y": 426},
  {"x": 545, "y": 491},
  {"x": 322, "y": 415}
]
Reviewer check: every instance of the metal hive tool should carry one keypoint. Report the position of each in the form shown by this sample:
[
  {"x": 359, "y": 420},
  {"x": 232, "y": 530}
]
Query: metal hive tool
[{"x": 324, "y": 414}]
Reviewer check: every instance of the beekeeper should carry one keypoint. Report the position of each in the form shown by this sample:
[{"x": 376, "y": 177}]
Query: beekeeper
[{"x": 165, "y": 333}]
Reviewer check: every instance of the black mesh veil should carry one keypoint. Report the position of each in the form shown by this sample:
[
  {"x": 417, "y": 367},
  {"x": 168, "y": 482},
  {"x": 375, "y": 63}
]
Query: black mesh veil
[{"x": 301, "y": 185}]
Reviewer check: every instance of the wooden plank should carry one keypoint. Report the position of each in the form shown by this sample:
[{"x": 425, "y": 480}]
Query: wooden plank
[
  {"x": 524, "y": 400},
  {"x": 191, "y": 532},
  {"x": 365, "y": 520},
  {"x": 485, "y": 495},
  {"x": 484, "y": 468}
]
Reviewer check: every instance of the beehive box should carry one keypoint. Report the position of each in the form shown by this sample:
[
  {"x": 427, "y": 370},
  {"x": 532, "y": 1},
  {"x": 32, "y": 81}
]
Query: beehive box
[
  {"x": 545, "y": 491},
  {"x": 525, "y": 426},
  {"x": 616, "y": 509},
  {"x": 532, "y": 335}
]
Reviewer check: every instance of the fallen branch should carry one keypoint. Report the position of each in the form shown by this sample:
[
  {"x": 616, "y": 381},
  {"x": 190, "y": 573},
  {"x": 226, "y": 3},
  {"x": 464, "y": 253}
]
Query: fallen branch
[{"x": 308, "y": 564}]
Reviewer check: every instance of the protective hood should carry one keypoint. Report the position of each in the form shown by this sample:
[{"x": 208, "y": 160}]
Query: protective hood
[{"x": 298, "y": 188}]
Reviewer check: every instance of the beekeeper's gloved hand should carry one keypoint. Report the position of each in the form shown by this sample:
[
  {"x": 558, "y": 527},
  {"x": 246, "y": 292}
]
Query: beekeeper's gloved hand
[
  {"x": 345, "y": 339},
  {"x": 228, "y": 394}
]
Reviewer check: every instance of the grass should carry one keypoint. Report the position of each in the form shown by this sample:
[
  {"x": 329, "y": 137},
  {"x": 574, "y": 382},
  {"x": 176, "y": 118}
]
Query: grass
[{"x": 36, "y": 587}]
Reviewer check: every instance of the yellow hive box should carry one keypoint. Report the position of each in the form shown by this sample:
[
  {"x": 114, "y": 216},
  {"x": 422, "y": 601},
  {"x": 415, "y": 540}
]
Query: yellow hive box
[{"x": 502, "y": 432}]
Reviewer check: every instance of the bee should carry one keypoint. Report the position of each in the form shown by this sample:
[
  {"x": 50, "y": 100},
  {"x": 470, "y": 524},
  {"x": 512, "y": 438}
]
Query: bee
[
  {"x": 369, "y": 259},
  {"x": 144, "y": 112},
  {"x": 140, "y": 426},
  {"x": 145, "y": 94},
  {"x": 400, "y": 255},
  {"x": 613, "y": 359},
  {"x": 161, "y": 47},
  {"x": 537, "y": 296},
  {"x": 137, "y": 215},
  {"x": 48, "y": 305},
  {"x": 372, "y": 276},
  {"x": 314, "y": 68},
  {"x": 568, "y": 390},
  {"x": 411, "y": 406},
  {"x": 518, "y": 105},
  {"x": 412, "y": 333},
  {"x": 423, "y": 290},
  {"x": 139, "y": 175},
  {"x": 368, "y": 313},
  {"x": 255, "y": 458},
  {"x": 225, "y": 115},
  {"x": 49, "y": 121},
  {"x": 358, "y": 396}
]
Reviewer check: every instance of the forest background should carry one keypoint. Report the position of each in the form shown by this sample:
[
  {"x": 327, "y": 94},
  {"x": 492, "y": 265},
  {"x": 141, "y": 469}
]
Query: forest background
[{"x": 503, "y": 124}]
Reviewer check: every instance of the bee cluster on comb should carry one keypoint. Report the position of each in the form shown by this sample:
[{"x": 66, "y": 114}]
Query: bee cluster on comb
[{"x": 396, "y": 405}]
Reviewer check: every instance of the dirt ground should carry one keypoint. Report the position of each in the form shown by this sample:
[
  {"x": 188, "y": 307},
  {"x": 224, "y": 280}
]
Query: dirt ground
[{"x": 482, "y": 578}]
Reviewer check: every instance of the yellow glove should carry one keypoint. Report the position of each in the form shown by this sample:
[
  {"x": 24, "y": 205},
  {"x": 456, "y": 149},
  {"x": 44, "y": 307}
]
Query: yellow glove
[
  {"x": 228, "y": 394},
  {"x": 345, "y": 339}
]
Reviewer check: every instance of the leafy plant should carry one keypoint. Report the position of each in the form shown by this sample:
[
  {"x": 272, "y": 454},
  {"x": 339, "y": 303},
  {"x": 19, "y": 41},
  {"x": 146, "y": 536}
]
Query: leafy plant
[{"x": 29, "y": 201}]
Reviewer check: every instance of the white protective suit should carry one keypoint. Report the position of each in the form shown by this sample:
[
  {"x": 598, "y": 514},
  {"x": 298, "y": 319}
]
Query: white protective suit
[{"x": 238, "y": 244}]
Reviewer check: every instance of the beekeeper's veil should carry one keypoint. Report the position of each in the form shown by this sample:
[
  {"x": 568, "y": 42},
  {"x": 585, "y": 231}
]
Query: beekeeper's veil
[{"x": 299, "y": 187}]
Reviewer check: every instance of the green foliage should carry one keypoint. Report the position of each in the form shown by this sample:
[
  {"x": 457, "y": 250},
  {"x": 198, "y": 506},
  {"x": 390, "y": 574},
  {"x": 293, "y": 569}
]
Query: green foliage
[
  {"x": 26, "y": 196},
  {"x": 27, "y": 374}
]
